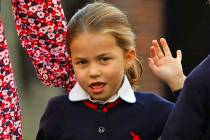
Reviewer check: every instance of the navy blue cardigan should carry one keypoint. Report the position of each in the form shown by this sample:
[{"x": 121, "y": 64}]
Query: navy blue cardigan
[
  {"x": 66, "y": 120},
  {"x": 190, "y": 119}
]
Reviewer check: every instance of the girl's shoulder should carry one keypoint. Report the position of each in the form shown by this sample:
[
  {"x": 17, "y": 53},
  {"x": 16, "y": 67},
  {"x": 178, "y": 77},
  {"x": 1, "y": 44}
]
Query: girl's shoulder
[
  {"x": 57, "y": 104},
  {"x": 152, "y": 99},
  {"x": 148, "y": 96},
  {"x": 60, "y": 99},
  {"x": 154, "y": 106}
]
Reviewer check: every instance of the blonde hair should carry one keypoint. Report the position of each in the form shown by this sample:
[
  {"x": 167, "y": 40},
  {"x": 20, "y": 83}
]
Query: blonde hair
[{"x": 101, "y": 17}]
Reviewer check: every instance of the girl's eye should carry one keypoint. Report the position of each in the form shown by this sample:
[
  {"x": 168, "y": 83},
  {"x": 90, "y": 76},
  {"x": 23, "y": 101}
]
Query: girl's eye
[
  {"x": 81, "y": 62},
  {"x": 104, "y": 59}
]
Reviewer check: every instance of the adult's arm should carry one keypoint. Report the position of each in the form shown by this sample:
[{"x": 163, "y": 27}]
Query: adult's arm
[
  {"x": 41, "y": 27},
  {"x": 10, "y": 116}
]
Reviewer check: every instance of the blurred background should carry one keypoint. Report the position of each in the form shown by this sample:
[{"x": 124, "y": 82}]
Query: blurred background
[{"x": 185, "y": 24}]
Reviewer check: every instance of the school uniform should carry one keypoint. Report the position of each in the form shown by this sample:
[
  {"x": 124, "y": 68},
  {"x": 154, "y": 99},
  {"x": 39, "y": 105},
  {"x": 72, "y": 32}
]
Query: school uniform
[
  {"x": 190, "y": 119},
  {"x": 125, "y": 116}
]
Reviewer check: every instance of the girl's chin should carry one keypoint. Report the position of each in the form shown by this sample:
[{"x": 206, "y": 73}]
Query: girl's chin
[{"x": 98, "y": 97}]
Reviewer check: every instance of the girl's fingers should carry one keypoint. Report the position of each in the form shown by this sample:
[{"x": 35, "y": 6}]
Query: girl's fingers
[
  {"x": 179, "y": 55},
  {"x": 157, "y": 48},
  {"x": 153, "y": 54},
  {"x": 152, "y": 65},
  {"x": 166, "y": 49}
]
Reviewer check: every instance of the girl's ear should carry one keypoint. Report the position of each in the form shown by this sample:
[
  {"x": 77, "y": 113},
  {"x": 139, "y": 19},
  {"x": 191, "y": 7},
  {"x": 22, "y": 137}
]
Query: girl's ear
[{"x": 130, "y": 58}]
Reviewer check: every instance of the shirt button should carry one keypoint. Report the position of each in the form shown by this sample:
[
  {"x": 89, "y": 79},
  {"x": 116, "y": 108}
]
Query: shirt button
[
  {"x": 100, "y": 107},
  {"x": 101, "y": 130}
]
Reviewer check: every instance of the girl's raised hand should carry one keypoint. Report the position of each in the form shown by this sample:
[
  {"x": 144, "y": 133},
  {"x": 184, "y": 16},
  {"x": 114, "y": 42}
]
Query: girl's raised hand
[{"x": 165, "y": 66}]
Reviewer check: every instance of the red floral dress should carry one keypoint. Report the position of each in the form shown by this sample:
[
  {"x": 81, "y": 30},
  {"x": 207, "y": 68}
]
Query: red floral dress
[
  {"x": 41, "y": 27},
  {"x": 10, "y": 117}
]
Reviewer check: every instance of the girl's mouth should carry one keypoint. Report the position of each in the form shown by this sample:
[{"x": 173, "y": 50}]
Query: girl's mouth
[{"x": 97, "y": 87}]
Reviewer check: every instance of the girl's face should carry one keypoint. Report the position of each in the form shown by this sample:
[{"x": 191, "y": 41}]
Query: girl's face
[{"x": 99, "y": 64}]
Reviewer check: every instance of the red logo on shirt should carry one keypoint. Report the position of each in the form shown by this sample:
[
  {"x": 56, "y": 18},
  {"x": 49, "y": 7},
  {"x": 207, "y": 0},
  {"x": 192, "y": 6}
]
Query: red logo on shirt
[{"x": 134, "y": 136}]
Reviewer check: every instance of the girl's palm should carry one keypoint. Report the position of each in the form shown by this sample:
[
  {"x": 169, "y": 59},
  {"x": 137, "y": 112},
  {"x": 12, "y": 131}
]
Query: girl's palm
[{"x": 165, "y": 66}]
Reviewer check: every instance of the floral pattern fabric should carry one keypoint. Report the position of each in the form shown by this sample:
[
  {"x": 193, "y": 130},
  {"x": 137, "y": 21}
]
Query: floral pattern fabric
[
  {"x": 10, "y": 117},
  {"x": 41, "y": 28}
]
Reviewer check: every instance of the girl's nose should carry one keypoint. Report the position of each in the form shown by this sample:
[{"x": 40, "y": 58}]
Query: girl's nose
[{"x": 94, "y": 71}]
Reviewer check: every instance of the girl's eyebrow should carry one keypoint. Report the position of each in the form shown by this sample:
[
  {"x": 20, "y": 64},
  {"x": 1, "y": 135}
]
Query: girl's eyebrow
[
  {"x": 98, "y": 56},
  {"x": 104, "y": 54},
  {"x": 79, "y": 58}
]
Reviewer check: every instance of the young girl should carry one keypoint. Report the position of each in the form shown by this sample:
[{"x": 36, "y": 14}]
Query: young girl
[{"x": 102, "y": 104}]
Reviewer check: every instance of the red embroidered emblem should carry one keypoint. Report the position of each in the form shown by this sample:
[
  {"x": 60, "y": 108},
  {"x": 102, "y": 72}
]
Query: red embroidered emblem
[{"x": 135, "y": 137}]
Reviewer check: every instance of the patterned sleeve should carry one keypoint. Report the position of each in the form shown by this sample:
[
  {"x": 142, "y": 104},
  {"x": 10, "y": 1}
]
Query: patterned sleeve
[
  {"x": 10, "y": 116},
  {"x": 41, "y": 28}
]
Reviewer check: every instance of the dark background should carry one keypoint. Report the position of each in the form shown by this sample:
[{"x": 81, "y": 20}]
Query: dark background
[{"x": 188, "y": 28}]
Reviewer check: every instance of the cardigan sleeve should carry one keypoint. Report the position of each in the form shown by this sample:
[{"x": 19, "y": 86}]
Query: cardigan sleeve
[
  {"x": 10, "y": 116},
  {"x": 41, "y": 27}
]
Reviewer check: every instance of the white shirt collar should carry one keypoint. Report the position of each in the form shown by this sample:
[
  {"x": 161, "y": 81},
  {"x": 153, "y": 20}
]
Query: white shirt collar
[{"x": 125, "y": 92}]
